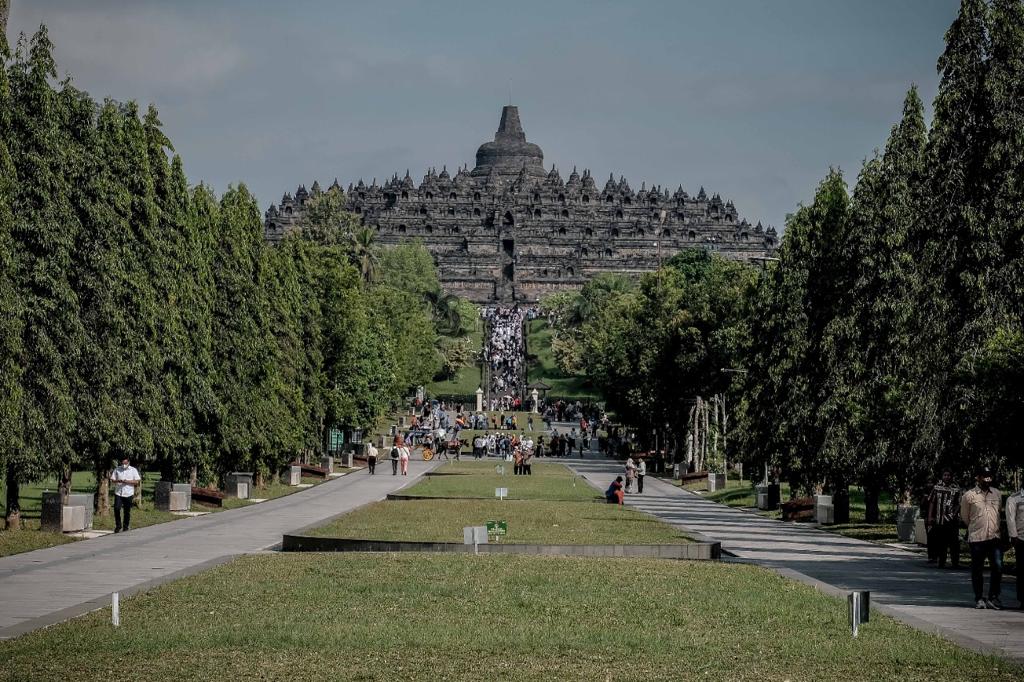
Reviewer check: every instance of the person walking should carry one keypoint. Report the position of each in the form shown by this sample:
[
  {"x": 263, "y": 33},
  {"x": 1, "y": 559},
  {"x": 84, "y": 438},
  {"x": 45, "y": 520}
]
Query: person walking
[
  {"x": 979, "y": 509},
  {"x": 371, "y": 458},
  {"x": 630, "y": 473},
  {"x": 943, "y": 521},
  {"x": 125, "y": 478},
  {"x": 1015, "y": 529},
  {"x": 395, "y": 455},
  {"x": 403, "y": 456},
  {"x": 641, "y": 471}
]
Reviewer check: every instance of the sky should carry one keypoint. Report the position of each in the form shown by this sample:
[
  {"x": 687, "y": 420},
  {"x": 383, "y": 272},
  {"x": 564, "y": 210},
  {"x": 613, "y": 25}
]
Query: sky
[{"x": 753, "y": 99}]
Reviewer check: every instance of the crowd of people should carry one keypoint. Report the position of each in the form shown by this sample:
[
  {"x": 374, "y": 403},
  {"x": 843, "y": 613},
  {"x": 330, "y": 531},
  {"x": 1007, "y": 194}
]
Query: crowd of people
[
  {"x": 505, "y": 354},
  {"x": 947, "y": 509}
]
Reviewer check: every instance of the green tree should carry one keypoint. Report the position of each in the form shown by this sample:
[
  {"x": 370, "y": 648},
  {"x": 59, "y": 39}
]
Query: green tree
[{"x": 44, "y": 238}]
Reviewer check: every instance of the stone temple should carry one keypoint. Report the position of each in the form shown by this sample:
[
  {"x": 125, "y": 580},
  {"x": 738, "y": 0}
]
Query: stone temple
[{"x": 509, "y": 230}]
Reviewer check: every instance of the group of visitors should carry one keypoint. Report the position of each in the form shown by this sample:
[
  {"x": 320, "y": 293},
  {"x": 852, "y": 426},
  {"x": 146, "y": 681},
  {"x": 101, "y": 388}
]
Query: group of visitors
[
  {"x": 947, "y": 509},
  {"x": 500, "y": 445},
  {"x": 504, "y": 353}
]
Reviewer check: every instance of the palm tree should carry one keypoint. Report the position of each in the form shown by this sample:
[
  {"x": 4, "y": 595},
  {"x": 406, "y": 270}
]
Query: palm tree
[
  {"x": 364, "y": 252},
  {"x": 445, "y": 308}
]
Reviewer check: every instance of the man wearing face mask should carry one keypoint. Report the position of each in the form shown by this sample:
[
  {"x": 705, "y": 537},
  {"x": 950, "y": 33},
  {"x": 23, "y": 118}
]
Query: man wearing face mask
[{"x": 979, "y": 510}]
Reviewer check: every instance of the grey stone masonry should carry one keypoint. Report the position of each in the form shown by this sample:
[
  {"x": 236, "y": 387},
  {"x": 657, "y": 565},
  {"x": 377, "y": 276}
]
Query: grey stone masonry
[{"x": 510, "y": 230}]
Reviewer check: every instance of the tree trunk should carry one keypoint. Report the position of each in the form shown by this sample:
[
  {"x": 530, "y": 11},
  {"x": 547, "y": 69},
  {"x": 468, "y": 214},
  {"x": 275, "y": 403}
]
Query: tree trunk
[
  {"x": 13, "y": 517},
  {"x": 872, "y": 513},
  {"x": 64, "y": 485},
  {"x": 102, "y": 489},
  {"x": 193, "y": 476},
  {"x": 258, "y": 478},
  {"x": 841, "y": 503}
]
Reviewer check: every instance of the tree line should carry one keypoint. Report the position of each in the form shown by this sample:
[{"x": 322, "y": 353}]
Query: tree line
[
  {"x": 144, "y": 317},
  {"x": 885, "y": 340}
]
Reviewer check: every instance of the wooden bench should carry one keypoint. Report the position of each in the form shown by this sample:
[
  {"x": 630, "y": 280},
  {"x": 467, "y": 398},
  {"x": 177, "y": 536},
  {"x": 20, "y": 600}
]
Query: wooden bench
[
  {"x": 310, "y": 470},
  {"x": 798, "y": 509},
  {"x": 694, "y": 477},
  {"x": 208, "y": 496}
]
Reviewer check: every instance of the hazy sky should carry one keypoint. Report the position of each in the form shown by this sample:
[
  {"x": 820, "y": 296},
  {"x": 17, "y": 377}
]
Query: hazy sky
[{"x": 752, "y": 99}]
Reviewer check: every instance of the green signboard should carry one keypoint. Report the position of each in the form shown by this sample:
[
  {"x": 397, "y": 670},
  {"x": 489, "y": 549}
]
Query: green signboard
[
  {"x": 336, "y": 440},
  {"x": 497, "y": 527}
]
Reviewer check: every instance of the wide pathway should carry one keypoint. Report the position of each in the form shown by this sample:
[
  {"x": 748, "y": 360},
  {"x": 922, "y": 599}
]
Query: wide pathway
[
  {"x": 50, "y": 585},
  {"x": 920, "y": 595}
]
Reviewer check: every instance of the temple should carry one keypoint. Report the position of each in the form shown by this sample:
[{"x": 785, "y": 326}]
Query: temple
[{"x": 510, "y": 230}]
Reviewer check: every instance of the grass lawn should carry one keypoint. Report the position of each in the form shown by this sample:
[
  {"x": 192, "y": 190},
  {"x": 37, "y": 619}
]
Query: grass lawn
[
  {"x": 467, "y": 379},
  {"x": 549, "y": 507},
  {"x": 31, "y": 537},
  {"x": 456, "y": 617},
  {"x": 540, "y": 365}
]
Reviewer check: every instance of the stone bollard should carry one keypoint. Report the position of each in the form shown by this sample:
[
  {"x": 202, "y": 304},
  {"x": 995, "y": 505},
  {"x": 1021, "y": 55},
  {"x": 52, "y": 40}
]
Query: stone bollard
[
  {"x": 824, "y": 511},
  {"x": 172, "y": 497},
  {"x": 294, "y": 475},
  {"x": 58, "y": 517},
  {"x": 920, "y": 532},
  {"x": 327, "y": 462},
  {"x": 238, "y": 484},
  {"x": 716, "y": 482},
  {"x": 906, "y": 517},
  {"x": 349, "y": 459},
  {"x": 85, "y": 500}
]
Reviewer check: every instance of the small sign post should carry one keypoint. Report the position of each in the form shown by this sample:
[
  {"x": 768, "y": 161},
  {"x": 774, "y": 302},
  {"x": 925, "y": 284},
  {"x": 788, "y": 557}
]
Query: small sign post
[
  {"x": 497, "y": 529},
  {"x": 501, "y": 493}
]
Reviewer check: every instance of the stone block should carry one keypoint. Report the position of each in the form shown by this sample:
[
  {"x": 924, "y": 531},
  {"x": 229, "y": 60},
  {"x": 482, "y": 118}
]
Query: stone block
[
  {"x": 906, "y": 517},
  {"x": 349, "y": 460},
  {"x": 825, "y": 514},
  {"x": 72, "y": 518},
  {"x": 327, "y": 462},
  {"x": 920, "y": 532},
  {"x": 51, "y": 517},
  {"x": 294, "y": 475},
  {"x": 238, "y": 484},
  {"x": 86, "y": 500},
  {"x": 170, "y": 496},
  {"x": 716, "y": 482}
]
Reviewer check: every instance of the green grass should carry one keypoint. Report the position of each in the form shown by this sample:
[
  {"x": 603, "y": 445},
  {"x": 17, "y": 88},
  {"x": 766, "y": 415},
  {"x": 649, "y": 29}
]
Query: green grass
[
  {"x": 548, "y": 481},
  {"x": 455, "y": 617},
  {"x": 541, "y": 366},
  {"x": 549, "y": 507}
]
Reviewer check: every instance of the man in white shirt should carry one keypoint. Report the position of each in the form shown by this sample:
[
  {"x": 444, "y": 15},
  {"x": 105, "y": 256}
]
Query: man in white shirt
[
  {"x": 125, "y": 479},
  {"x": 371, "y": 458},
  {"x": 1015, "y": 529}
]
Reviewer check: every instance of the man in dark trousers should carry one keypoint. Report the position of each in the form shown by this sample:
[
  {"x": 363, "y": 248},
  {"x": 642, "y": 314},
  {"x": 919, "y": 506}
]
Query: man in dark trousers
[
  {"x": 125, "y": 479},
  {"x": 979, "y": 509},
  {"x": 943, "y": 521}
]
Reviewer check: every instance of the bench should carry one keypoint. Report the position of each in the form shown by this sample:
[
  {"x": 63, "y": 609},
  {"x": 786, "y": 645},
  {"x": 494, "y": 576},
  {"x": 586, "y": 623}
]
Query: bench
[
  {"x": 799, "y": 509},
  {"x": 694, "y": 477},
  {"x": 208, "y": 496},
  {"x": 310, "y": 470}
]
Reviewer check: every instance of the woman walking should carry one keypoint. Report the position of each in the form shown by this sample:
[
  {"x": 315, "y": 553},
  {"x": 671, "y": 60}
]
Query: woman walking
[
  {"x": 403, "y": 455},
  {"x": 630, "y": 473}
]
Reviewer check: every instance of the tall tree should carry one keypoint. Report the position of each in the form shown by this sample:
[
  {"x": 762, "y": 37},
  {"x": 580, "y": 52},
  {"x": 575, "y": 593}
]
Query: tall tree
[{"x": 44, "y": 238}]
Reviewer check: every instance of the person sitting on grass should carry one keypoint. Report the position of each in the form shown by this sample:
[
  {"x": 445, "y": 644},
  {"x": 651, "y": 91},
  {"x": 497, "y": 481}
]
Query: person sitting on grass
[{"x": 614, "y": 493}]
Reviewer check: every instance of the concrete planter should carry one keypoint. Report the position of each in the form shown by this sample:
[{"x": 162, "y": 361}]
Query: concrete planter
[
  {"x": 294, "y": 475},
  {"x": 172, "y": 497},
  {"x": 327, "y": 462},
  {"x": 238, "y": 484},
  {"x": 716, "y": 482},
  {"x": 906, "y": 518},
  {"x": 67, "y": 518}
]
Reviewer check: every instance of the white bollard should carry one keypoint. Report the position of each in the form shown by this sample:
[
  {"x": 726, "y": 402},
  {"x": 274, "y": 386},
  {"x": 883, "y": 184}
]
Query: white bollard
[{"x": 115, "y": 609}]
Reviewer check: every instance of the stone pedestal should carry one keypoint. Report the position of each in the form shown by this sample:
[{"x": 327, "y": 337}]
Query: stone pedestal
[
  {"x": 906, "y": 518},
  {"x": 920, "y": 532},
  {"x": 294, "y": 475},
  {"x": 479, "y": 400},
  {"x": 824, "y": 511},
  {"x": 327, "y": 462},
  {"x": 58, "y": 517},
  {"x": 403, "y": 421},
  {"x": 350, "y": 459},
  {"x": 716, "y": 482},
  {"x": 676, "y": 471},
  {"x": 172, "y": 497},
  {"x": 761, "y": 493},
  {"x": 85, "y": 500},
  {"x": 238, "y": 484}
]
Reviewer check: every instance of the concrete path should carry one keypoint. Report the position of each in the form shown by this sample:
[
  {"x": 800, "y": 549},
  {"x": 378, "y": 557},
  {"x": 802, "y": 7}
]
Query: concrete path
[
  {"x": 911, "y": 590},
  {"x": 51, "y": 585}
]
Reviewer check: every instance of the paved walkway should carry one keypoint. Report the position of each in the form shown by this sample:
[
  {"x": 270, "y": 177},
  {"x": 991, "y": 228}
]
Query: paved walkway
[
  {"x": 925, "y": 597},
  {"x": 51, "y": 585}
]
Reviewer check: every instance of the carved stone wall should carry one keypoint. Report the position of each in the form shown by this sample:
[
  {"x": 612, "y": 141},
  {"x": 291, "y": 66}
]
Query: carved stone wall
[{"x": 509, "y": 231}]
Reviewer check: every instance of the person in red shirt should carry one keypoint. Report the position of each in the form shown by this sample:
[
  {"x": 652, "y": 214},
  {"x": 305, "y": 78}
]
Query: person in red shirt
[{"x": 614, "y": 494}]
